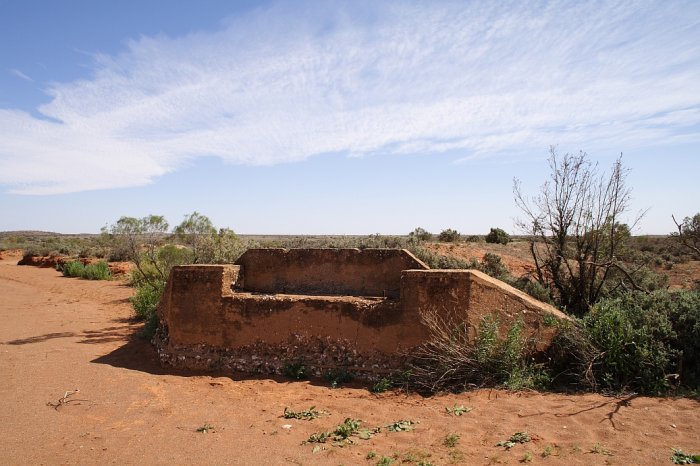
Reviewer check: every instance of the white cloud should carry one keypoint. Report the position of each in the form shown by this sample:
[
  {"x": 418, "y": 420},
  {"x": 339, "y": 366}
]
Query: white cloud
[
  {"x": 20, "y": 75},
  {"x": 278, "y": 86}
]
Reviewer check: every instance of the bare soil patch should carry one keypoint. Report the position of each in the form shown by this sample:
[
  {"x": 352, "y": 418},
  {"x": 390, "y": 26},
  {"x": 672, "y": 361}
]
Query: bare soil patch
[{"x": 60, "y": 334}]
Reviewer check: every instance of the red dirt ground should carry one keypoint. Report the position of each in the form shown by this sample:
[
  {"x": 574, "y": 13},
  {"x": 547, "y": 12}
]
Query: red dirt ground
[
  {"x": 60, "y": 334},
  {"x": 516, "y": 257}
]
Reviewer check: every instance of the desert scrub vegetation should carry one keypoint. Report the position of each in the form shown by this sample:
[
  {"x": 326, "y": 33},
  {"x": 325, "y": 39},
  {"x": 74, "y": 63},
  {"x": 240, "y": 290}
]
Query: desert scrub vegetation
[
  {"x": 641, "y": 342},
  {"x": 95, "y": 271},
  {"x": 448, "y": 236},
  {"x": 644, "y": 343},
  {"x": 452, "y": 361},
  {"x": 38, "y": 243},
  {"x": 497, "y": 236},
  {"x": 154, "y": 251}
]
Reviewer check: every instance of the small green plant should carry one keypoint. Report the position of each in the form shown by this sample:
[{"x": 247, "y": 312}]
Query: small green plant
[
  {"x": 497, "y": 236},
  {"x": 678, "y": 457},
  {"x": 341, "y": 433},
  {"x": 385, "y": 461},
  {"x": 382, "y": 385},
  {"x": 458, "y": 410},
  {"x": 549, "y": 320},
  {"x": 206, "y": 428},
  {"x": 527, "y": 457},
  {"x": 451, "y": 440},
  {"x": 307, "y": 414},
  {"x": 338, "y": 376},
  {"x": 548, "y": 450},
  {"x": 295, "y": 370},
  {"x": 518, "y": 437},
  {"x": 371, "y": 455},
  {"x": 600, "y": 450}
]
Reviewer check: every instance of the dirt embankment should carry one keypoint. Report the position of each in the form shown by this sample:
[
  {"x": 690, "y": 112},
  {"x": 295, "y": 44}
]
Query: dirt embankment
[
  {"x": 115, "y": 268},
  {"x": 60, "y": 334}
]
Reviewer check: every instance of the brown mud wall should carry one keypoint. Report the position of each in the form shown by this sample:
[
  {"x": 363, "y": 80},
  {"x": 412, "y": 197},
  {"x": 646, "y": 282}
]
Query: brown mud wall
[
  {"x": 212, "y": 320},
  {"x": 352, "y": 272}
]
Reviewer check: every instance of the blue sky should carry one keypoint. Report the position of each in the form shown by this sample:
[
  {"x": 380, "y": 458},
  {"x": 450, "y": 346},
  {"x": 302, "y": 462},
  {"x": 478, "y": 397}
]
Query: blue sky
[{"x": 338, "y": 117}]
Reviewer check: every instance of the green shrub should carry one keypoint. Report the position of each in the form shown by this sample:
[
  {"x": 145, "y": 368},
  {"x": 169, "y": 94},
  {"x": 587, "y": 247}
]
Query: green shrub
[
  {"x": 531, "y": 287},
  {"x": 646, "y": 342},
  {"x": 97, "y": 271},
  {"x": 635, "y": 350},
  {"x": 146, "y": 299},
  {"x": 684, "y": 312},
  {"x": 448, "y": 236},
  {"x": 492, "y": 265},
  {"x": 73, "y": 269},
  {"x": 497, "y": 236}
]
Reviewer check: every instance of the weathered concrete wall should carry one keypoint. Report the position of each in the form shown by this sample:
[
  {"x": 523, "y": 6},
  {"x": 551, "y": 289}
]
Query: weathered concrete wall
[
  {"x": 353, "y": 272},
  {"x": 470, "y": 296},
  {"x": 210, "y": 322}
]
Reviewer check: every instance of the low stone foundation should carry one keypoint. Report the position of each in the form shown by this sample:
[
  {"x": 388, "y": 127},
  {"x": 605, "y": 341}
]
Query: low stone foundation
[{"x": 317, "y": 355}]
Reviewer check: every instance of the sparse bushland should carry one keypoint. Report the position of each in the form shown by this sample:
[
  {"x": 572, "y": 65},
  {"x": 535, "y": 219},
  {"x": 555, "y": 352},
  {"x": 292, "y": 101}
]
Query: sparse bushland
[
  {"x": 497, "y": 236},
  {"x": 53, "y": 244}
]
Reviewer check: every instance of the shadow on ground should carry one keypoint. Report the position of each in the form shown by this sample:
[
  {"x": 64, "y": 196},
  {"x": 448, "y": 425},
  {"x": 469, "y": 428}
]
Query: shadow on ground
[
  {"x": 125, "y": 331},
  {"x": 138, "y": 354}
]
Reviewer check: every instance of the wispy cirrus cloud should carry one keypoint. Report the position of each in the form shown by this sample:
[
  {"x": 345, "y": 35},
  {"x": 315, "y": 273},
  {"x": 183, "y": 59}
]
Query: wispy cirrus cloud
[
  {"x": 276, "y": 86},
  {"x": 20, "y": 75}
]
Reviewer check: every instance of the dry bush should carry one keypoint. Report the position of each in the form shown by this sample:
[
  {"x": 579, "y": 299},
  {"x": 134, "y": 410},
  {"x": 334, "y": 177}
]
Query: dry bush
[{"x": 452, "y": 361}]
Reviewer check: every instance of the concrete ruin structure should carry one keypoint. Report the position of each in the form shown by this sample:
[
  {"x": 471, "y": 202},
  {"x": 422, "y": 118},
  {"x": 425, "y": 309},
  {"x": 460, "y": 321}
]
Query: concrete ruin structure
[{"x": 360, "y": 310}]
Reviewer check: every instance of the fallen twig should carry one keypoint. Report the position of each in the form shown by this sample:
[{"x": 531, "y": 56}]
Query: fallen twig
[{"x": 64, "y": 399}]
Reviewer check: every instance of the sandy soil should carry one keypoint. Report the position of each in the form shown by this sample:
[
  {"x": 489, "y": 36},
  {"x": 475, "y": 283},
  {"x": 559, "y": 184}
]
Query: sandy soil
[{"x": 60, "y": 334}]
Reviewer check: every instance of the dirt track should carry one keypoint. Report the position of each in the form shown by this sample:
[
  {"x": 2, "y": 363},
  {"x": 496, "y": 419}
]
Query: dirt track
[{"x": 59, "y": 334}]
